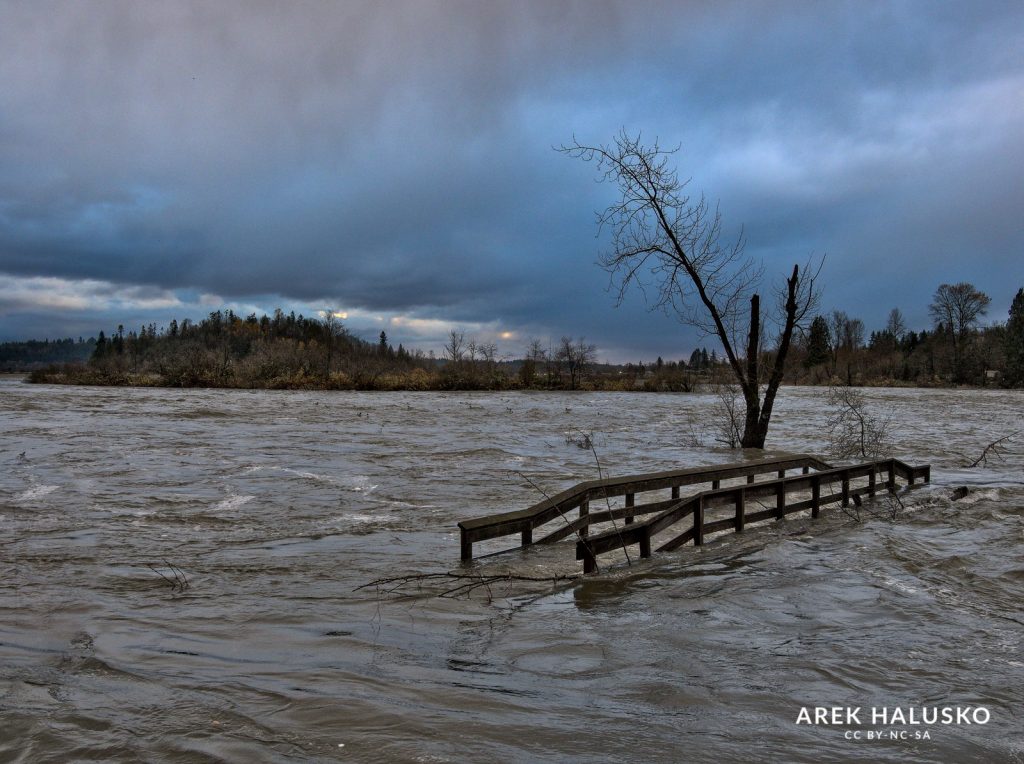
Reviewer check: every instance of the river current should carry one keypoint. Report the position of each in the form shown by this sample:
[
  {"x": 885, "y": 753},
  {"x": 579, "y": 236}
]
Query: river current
[{"x": 275, "y": 507}]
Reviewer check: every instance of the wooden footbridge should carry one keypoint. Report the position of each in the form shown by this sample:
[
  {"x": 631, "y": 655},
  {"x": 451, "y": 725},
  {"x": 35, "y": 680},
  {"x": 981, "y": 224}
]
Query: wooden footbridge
[{"x": 814, "y": 484}]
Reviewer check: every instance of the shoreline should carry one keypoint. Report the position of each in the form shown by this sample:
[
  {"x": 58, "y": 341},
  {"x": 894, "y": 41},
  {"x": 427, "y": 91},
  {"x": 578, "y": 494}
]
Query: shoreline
[{"x": 699, "y": 388}]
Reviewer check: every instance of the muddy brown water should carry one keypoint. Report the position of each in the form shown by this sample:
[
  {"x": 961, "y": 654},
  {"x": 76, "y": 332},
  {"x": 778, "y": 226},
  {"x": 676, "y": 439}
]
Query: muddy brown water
[{"x": 276, "y": 506}]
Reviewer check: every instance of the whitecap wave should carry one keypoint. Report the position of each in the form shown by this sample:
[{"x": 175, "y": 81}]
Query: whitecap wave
[
  {"x": 36, "y": 492},
  {"x": 231, "y": 502}
]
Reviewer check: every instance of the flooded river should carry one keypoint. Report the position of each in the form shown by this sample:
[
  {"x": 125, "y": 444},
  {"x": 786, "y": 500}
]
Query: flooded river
[{"x": 276, "y": 506}]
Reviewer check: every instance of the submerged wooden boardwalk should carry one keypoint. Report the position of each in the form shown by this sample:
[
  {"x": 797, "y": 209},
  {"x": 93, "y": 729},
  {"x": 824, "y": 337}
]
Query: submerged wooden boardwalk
[{"x": 815, "y": 484}]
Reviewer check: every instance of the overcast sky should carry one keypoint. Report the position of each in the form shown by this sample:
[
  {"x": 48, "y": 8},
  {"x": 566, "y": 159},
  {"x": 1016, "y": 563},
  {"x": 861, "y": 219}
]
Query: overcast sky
[{"x": 394, "y": 160}]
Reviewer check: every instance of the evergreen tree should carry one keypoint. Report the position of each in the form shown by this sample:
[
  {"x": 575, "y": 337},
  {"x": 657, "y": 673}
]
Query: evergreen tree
[
  {"x": 1015, "y": 342},
  {"x": 819, "y": 343},
  {"x": 101, "y": 347},
  {"x": 383, "y": 346}
]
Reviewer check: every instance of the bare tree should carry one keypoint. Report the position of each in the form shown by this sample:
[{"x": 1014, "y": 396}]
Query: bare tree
[
  {"x": 854, "y": 337},
  {"x": 455, "y": 348},
  {"x": 576, "y": 356},
  {"x": 333, "y": 328},
  {"x": 728, "y": 414},
  {"x": 489, "y": 354},
  {"x": 657, "y": 229},
  {"x": 837, "y": 322},
  {"x": 488, "y": 351},
  {"x": 847, "y": 338},
  {"x": 957, "y": 307},
  {"x": 535, "y": 354},
  {"x": 847, "y": 333},
  {"x": 854, "y": 430},
  {"x": 896, "y": 326}
]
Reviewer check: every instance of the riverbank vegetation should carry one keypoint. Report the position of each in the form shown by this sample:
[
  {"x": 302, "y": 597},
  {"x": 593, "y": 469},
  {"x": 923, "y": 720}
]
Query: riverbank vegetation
[
  {"x": 956, "y": 350},
  {"x": 285, "y": 351}
]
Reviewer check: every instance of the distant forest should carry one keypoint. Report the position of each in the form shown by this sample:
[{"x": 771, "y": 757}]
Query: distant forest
[
  {"x": 285, "y": 351},
  {"x": 36, "y": 354}
]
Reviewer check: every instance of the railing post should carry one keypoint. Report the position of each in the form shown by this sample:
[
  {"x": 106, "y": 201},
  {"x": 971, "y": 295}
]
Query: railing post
[
  {"x": 782, "y": 474},
  {"x": 629, "y": 503},
  {"x": 741, "y": 509},
  {"x": 589, "y": 559},
  {"x": 527, "y": 536},
  {"x": 584, "y": 511},
  {"x": 750, "y": 478},
  {"x": 871, "y": 480},
  {"x": 465, "y": 545},
  {"x": 698, "y": 522},
  {"x": 845, "y": 475},
  {"x": 675, "y": 492},
  {"x": 780, "y": 501},
  {"x": 910, "y": 476},
  {"x": 645, "y": 543},
  {"x": 891, "y": 482},
  {"x": 807, "y": 470},
  {"x": 816, "y": 496},
  {"x": 716, "y": 484}
]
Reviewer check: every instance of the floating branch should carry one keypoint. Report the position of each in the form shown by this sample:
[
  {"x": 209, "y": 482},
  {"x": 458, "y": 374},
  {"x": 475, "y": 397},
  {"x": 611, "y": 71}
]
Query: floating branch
[
  {"x": 993, "y": 449},
  {"x": 468, "y": 582},
  {"x": 178, "y": 583}
]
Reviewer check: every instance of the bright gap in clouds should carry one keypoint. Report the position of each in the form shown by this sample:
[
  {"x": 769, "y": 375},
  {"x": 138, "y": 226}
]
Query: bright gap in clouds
[{"x": 105, "y": 305}]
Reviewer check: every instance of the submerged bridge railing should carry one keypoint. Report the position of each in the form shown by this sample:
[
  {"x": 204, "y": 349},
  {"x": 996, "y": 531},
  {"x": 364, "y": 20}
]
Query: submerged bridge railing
[{"x": 836, "y": 482}]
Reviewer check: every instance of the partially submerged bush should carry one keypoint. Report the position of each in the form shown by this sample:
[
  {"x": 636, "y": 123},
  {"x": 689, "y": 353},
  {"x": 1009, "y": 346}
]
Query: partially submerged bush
[{"x": 854, "y": 429}]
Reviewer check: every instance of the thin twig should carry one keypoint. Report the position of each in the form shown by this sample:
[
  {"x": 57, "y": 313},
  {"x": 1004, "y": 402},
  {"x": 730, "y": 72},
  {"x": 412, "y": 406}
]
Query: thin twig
[
  {"x": 180, "y": 581},
  {"x": 558, "y": 509},
  {"x": 615, "y": 525},
  {"x": 165, "y": 578}
]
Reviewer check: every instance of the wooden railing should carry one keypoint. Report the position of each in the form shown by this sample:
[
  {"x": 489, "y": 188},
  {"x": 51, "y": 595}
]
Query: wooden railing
[
  {"x": 668, "y": 512},
  {"x": 581, "y": 495},
  {"x": 640, "y": 534}
]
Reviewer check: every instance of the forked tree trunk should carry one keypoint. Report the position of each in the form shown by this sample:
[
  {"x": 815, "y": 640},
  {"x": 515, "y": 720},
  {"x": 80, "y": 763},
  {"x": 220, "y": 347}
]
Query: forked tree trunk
[
  {"x": 759, "y": 413},
  {"x": 752, "y": 438}
]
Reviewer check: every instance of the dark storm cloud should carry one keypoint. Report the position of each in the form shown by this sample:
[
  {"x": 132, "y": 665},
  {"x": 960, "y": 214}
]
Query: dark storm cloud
[{"x": 396, "y": 157}]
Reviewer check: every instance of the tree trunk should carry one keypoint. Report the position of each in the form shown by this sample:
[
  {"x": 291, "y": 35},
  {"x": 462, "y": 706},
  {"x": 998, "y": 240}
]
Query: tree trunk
[
  {"x": 753, "y": 436},
  {"x": 755, "y": 430}
]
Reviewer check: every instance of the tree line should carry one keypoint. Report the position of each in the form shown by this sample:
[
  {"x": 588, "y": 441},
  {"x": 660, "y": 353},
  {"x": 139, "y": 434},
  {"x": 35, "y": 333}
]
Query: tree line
[
  {"x": 955, "y": 350},
  {"x": 36, "y": 354},
  {"x": 289, "y": 351},
  {"x": 295, "y": 351}
]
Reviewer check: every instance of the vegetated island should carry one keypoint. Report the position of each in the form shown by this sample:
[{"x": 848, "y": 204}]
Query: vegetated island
[{"x": 285, "y": 351}]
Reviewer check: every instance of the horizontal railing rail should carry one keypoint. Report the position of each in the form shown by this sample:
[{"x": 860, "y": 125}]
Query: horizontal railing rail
[
  {"x": 640, "y": 534},
  {"x": 580, "y": 496}
]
